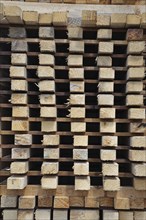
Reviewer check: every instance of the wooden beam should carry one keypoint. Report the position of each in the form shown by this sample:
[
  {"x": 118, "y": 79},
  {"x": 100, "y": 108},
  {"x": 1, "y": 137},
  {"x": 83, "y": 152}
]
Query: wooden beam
[
  {"x": 47, "y": 99},
  {"x": 19, "y": 59},
  {"x": 109, "y": 113},
  {"x": 20, "y": 153},
  {"x": 105, "y": 47},
  {"x": 103, "y": 20},
  {"x": 18, "y": 72},
  {"x": 27, "y": 202},
  {"x": 19, "y": 167},
  {"x": 47, "y": 46},
  {"x": 81, "y": 168},
  {"x": 60, "y": 18},
  {"x": 106, "y": 73},
  {"x": 80, "y": 140},
  {"x": 16, "y": 182},
  {"x": 42, "y": 214},
  {"x": 9, "y": 212},
  {"x": 30, "y": 17},
  {"x": 19, "y": 111},
  {"x": 118, "y": 20},
  {"x": 46, "y": 85},
  {"x": 104, "y": 61},
  {"x": 111, "y": 183},
  {"x": 19, "y": 98},
  {"x": 105, "y": 99},
  {"x": 77, "y": 112},
  {"x": 20, "y": 125},
  {"x": 82, "y": 183},
  {"x": 122, "y": 203},
  {"x": 132, "y": 73},
  {"x": 105, "y": 34},
  {"x": 61, "y": 202},
  {"x": 89, "y": 18},
  {"x": 23, "y": 139},
  {"x": 13, "y": 14},
  {"x": 45, "y": 18},
  {"x": 25, "y": 214},
  {"x": 52, "y": 140},
  {"x": 8, "y": 201},
  {"x": 46, "y": 32},
  {"x": 49, "y": 168},
  {"x": 46, "y": 59},
  {"x": 49, "y": 182}
]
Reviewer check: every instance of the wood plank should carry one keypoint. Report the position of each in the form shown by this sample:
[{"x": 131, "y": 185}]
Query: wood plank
[
  {"x": 107, "y": 113},
  {"x": 20, "y": 153},
  {"x": 132, "y": 73},
  {"x": 23, "y": 139},
  {"x": 19, "y": 167},
  {"x": 18, "y": 72},
  {"x": 27, "y": 202},
  {"x": 13, "y": 14},
  {"x": 25, "y": 214},
  {"x": 61, "y": 202},
  {"x": 104, "y": 61},
  {"x": 60, "y": 18},
  {"x": 19, "y": 125},
  {"x": 19, "y": 59},
  {"x": 80, "y": 140},
  {"x": 111, "y": 183},
  {"x": 82, "y": 183},
  {"x": 103, "y": 20},
  {"x": 75, "y": 201},
  {"x": 105, "y": 47},
  {"x": 77, "y": 112},
  {"x": 108, "y": 155},
  {"x": 126, "y": 215},
  {"x": 52, "y": 140},
  {"x": 8, "y": 213},
  {"x": 110, "y": 214},
  {"x": 46, "y": 32},
  {"x": 46, "y": 59},
  {"x": 104, "y": 34},
  {"x": 136, "y": 113},
  {"x": 47, "y": 99},
  {"x": 18, "y": 111},
  {"x": 118, "y": 20},
  {"x": 89, "y": 18},
  {"x": 49, "y": 168},
  {"x": 122, "y": 203},
  {"x": 133, "y": 20},
  {"x": 135, "y": 47},
  {"x": 139, "y": 169},
  {"x": 45, "y": 18},
  {"x": 45, "y": 201},
  {"x": 47, "y": 46},
  {"x": 57, "y": 213},
  {"x": 49, "y": 182},
  {"x": 84, "y": 214},
  {"x": 81, "y": 168},
  {"x": 18, "y": 98},
  {"x": 15, "y": 182},
  {"x": 30, "y": 17},
  {"x": 134, "y": 34},
  {"x": 110, "y": 169},
  {"x": 8, "y": 201}
]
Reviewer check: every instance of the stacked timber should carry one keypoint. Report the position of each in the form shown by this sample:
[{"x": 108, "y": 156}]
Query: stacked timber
[{"x": 90, "y": 163}]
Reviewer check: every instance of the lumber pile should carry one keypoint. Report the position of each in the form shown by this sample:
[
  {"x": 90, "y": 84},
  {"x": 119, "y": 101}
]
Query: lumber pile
[
  {"x": 73, "y": 115},
  {"x": 99, "y": 2}
]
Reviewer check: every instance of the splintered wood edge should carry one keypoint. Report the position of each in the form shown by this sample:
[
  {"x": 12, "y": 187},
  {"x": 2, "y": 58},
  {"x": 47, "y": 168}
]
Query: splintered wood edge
[{"x": 74, "y": 13}]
